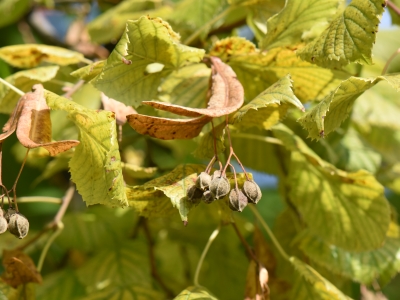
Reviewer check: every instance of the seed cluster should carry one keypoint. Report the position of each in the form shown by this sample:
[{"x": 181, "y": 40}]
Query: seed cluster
[{"x": 15, "y": 222}]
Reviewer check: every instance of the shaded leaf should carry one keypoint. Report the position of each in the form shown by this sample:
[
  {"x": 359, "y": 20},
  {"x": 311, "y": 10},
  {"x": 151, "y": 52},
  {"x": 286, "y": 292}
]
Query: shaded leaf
[
  {"x": 96, "y": 164},
  {"x": 89, "y": 72},
  {"x": 276, "y": 98},
  {"x": 23, "y": 80},
  {"x": 393, "y": 14},
  {"x": 327, "y": 115},
  {"x": 167, "y": 129},
  {"x": 296, "y": 19},
  {"x": 19, "y": 269},
  {"x": 120, "y": 109},
  {"x": 127, "y": 292},
  {"x": 100, "y": 30},
  {"x": 148, "y": 51},
  {"x": 34, "y": 124},
  {"x": 138, "y": 172},
  {"x": 349, "y": 37},
  {"x": 311, "y": 285},
  {"x": 12, "y": 10},
  {"x": 12, "y": 122},
  {"x": 257, "y": 70},
  {"x": 24, "y": 291},
  {"x": 253, "y": 283},
  {"x": 227, "y": 94},
  {"x": 31, "y": 55},
  {"x": 195, "y": 292},
  {"x": 205, "y": 148}
]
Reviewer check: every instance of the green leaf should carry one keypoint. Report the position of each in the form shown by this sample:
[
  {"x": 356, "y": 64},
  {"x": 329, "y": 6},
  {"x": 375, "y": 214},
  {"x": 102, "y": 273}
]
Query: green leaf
[
  {"x": 127, "y": 292},
  {"x": 393, "y": 14},
  {"x": 364, "y": 267},
  {"x": 89, "y": 72},
  {"x": 205, "y": 148},
  {"x": 311, "y": 285},
  {"x": 195, "y": 292},
  {"x": 23, "y": 80},
  {"x": 139, "y": 172},
  {"x": 12, "y": 10},
  {"x": 31, "y": 55},
  {"x": 258, "y": 70},
  {"x": 100, "y": 30},
  {"x": 148, "y": 51},
  {"x": 349, "y": 37},
  {"x": 269, "y": 107},
  {"x": 61, "y": 285},
  {"x": 296, "y": 19},
  {"x": 327, "y": 115},
  {"x": 348, "y": 210},
  {"x": 96, "y": 164}
]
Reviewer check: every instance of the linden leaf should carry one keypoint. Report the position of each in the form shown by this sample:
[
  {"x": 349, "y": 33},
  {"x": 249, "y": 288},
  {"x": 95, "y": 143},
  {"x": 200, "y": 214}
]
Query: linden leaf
[
  {"x": 258, "y": 70},
  {"x": 297, "y": 18},
  {"x": 89, "y": 72},
  {"x": 23, "y": 80},
  {"x": 276, "y": 98},
  {"x": 227, "y": 94},
  {"x": 13, "y": 10},
  {"x": 327, "y": 115},
  {"x": 31, "y": 55},
  {"x": 205, "y": 148},
  {"x": 148, "y": 51},
  {"x": 12, "y": 122},
  {"x": 311, "y": 285},
  {"x": 19, "y": 268},
  {"x": 120, "y": 109},
  {"x": 349, "y": 37},
  {"x": 34, "y": 124},
  {"x": 195, "y": 292},
  {"x": 96, "y": 164}
]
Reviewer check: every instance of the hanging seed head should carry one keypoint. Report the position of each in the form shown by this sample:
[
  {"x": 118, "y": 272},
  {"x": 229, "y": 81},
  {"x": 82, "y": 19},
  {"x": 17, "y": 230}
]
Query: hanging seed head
[
  {"x": 252, "y": 191},
  {"x": 3, "y": 224},
  {"x": 11, "y": 211},
  {"x": 237, "y": 200},
  {"x": 18, "y": 225},
  {"x": 216, "y": 173},
  {"x": 194, "y": 194},
  {"x": 208, "y": 197},
  {"x": 220, "y": 187},
  {"x": 203, "y": 181}
]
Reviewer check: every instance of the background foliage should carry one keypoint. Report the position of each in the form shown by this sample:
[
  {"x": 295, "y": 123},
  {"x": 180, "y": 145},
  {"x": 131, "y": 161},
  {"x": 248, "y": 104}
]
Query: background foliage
[{"x": 319, "y": 128}]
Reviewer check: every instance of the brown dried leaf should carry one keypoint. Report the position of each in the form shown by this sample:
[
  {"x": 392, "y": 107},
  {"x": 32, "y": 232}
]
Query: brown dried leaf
[
  {"x": 167, "y": 129},
  {"x": 11, "y": 124},
  {"x": 119, "y": 108},
  {"x": 256, "y": 283},
  {"x": 227, "y": 95},
  {"x": 19, "y": 269},
  {"x": 34, "y": 124}
]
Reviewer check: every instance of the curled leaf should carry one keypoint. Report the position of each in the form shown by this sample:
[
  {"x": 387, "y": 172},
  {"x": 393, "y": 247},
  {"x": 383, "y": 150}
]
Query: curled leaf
[
  {"x": 34, "y": 124},
  {"x": 119, "y": 108},
  {"x": 227, "y": 95},
  {"x": 11, "y": 124}
]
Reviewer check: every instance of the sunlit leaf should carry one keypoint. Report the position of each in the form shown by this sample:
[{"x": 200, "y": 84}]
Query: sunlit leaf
[
  {"x": 311, "y": 285},
  {"x": 12, "y": 10},
  {"x": 257, "y": 70},
  {"x": 96, "y": 164},
  {"x": 100, "y": 30},
  {"x": 349, "y": 37},
  {"x": 327, "y": 115},
  {"x": 195, "y": 292},
  {"x": 23, "y": 80},
  {"x": 31, "y": 55},
  {"x": 148, "y": 51},
  {"x": 364, "y": 267},
  {"x": 89, "y": 72},
  {"x": 138, "y": 172},
  {"x": 268, "y": 107},
  {"x": 296, "y": 19}
]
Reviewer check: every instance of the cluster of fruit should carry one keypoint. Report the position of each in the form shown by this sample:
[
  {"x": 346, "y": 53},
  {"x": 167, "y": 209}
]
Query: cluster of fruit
[
  {"x": 15, "y": 222},
  {"x": 212, "y": 187}
]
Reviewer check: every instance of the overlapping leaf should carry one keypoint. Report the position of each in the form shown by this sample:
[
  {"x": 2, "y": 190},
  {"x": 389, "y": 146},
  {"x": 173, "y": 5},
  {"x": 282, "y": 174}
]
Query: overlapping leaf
[
  {"x": 12, "y": 10},
  {"x": 205, "y": 148},
  {"x": 269, "y": 107},
  {"x": 148, "y": 51},
  {"x": 297, "y": 18},
  {"x": 349, "y": 37},
  {"x": 335, "y": 205},
  {"x": 90, "y": 71},
  {"x": 195, "y": 292},
  {"x": 336, "y": 107},
  {"x": 96, "y": 164},
  {"x": 257, "y": 70},
  {"x": 31, "y": 55},
  {"x": 23, "y": 80},
  {"x": 120, "y": 109}
]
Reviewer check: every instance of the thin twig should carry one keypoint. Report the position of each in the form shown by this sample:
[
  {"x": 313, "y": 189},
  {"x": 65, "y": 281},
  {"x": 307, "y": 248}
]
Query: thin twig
[
  {"x": 245, "y": 244},
  {"x": 393, "y": 6},
  {"x": 73, "y": 89},
  {"x": 203, "y": 255},
  {"x": 18, "y": 91},
  {"x": 34, "y": 199},
  {"x": 389, "y": 61},
  {"x": 152, "y": 258},
  {"x": 14, "y": 187}
]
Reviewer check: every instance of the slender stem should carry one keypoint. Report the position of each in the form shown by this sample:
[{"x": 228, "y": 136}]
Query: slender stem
[
  {"x": 74, "y": 88},
  {"x": 152, "y": 258},
  {"x": 210, "y": 164},
  {"x": 86, "y": 61},
  {"x": 245, "y": 244},
  {"x": 389, "y": 61},
  {"x": 393, "y": 6},
  {"x": 196, "y": 34},
  {"x": 203, "y": 255},
  {"x": 234, "y": 176},
  {"x": 18, "y": 91},
  {"x": 14, "y": 188},
  {"x": 266, "y": 139},
  {"x": 269, "y": 232},
  {"x": 39, "y": 199},
  {"x": 1, "y": 162},
  {"x": 54, "y": 235}
]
